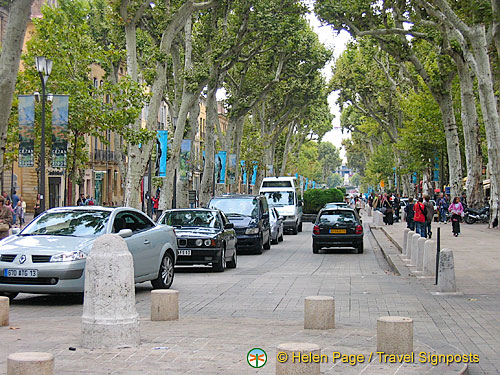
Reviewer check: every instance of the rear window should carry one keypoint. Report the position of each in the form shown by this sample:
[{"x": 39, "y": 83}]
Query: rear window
[
  {"x": 281, "y": 184},
  {"x": 337, "y": 217}
]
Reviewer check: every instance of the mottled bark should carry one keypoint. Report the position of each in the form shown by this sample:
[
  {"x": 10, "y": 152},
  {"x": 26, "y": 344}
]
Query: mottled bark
[{"x": 208, "y": 170}]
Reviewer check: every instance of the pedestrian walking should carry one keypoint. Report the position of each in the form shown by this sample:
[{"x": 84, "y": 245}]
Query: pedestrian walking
[
  {"x": 19, "y": 212},
  {"x": 419, "y": 217},
  {"x": 5, "y": 219},
  {"x": 359, "y": 205},
  {"x": 410, "y": 223},
  {"x": 463, "y": 200},
  {"x": 443, "y": 205},
  {"x": 396, "y": 204},
  {"x": 429, "y": 216},
  {"x": 81, "y": 200},
  {"x": 156, "y": 201},
  {"x": 23, "y": 203},
  {"x": 457, "y": 211},
  {"x": 37, "y": 205},
  {"x": 387, "y": 210}
]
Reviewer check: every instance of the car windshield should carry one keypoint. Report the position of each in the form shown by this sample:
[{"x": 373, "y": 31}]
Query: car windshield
[
  {"x": 337, "y": 217},
  {"x": 236, "y": 206},
  {"x": 75, "y": 223},
  {"x": 191, "y": 218},
  {"x": 333, "y": 205},
  {"x": 279, "y": 198}
]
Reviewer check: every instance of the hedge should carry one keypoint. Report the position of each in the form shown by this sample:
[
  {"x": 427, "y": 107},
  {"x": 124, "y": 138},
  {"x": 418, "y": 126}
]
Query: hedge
[{"x": 314, "y": 199}]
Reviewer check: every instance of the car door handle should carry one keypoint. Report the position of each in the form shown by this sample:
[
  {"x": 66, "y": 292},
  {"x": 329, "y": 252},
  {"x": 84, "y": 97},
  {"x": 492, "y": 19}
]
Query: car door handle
[{"x": 146, "y": 242}]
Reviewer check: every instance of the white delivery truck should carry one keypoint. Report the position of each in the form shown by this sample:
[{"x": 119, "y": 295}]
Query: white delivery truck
[{"x": 281, "y": 193}]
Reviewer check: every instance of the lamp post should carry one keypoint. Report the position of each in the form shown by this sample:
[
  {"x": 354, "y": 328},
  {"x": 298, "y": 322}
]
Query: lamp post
[
  {"x": 174, "y": 193},
  {"x": 44, "y": 68}
]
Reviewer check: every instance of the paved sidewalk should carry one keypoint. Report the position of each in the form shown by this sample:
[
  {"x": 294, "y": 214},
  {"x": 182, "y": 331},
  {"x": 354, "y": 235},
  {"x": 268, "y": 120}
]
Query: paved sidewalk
[{"x": 476, "y": 252}]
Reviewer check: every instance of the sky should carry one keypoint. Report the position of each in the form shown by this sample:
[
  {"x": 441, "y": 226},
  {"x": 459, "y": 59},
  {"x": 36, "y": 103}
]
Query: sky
[{"x": 337, "y": 43}]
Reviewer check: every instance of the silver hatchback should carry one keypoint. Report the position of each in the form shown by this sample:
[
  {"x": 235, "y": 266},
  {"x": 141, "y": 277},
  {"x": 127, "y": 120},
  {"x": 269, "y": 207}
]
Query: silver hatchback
[{"x": 48, "y": 256}]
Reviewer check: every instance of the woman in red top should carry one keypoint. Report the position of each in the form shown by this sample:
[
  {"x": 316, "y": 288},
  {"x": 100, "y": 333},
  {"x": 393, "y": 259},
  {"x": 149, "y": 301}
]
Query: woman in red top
[{"x": 419, "y": 217}]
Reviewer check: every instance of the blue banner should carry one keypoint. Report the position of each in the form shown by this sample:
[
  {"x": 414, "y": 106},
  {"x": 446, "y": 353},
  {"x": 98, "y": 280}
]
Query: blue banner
[
  {"x": 220, "y": 167},
  {"x": 414, "y": 178},
  {"x": 307, "y": 184},
  {"x": 161, "y": 152},
  {"x": 60, "y": 105},
  {"x": 243, "y": 171},
  {"x": 254, "y": 174},
  {"x": 26, "y": 110},
  {"x": 231, "y": 169},
  {"x": 314, "y": 184}
]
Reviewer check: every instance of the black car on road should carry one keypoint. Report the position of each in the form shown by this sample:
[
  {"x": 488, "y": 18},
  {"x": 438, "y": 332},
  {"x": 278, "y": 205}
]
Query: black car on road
[
  {"x": 337, "y": 227},
  {"x": 203, "y": 237},
  {"x": 250, "y": 216}
]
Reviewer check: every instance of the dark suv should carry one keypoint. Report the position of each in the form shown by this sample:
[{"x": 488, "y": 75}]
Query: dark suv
[
  {"x": 250, "y": 216},
  {"x": 337, "y": 227}
]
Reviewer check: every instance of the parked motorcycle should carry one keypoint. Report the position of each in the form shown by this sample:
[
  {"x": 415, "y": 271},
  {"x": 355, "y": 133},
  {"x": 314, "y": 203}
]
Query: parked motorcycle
[{"x": 472, "y": 215}]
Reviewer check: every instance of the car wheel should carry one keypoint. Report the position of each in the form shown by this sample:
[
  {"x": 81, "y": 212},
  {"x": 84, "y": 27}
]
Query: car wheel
[
  {"x": 360, "y": 248},
  {"x": 267, "y": 245},
  {"x": 300, "y": 227},
  {"x": 275, "y": 240},
  {"x": 221, "y": 264},
  {"x": 316, "y": 248},
  {"x": 11, "y": 295},
  {"x": 233, "y": 262},
  {"x": 165, "y": 274},
  {"x": 258, "y": 247}
]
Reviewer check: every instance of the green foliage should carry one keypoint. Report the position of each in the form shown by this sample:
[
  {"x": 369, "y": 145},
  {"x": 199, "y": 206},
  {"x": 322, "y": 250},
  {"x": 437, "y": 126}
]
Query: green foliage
[
  {"x": 314, "y": 199},
  {"x": 329, "y": 157},
  {"x": 335, "y": 180}
]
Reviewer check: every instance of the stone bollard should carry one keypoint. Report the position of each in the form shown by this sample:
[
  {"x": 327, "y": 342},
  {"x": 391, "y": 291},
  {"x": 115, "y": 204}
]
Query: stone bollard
[
  {"x": 429, "y": 268},
  {"x": 109, "y": 316},
  {"x": 164, "y": 304},
  {"x": 408, "y": 245},
  {"x": 285, "y": 352},
  {"x": 30, "y": 363},
  {"x": 420, "y": 254},
  {"x": 319, "y": 312},
  {"x": 395, "y": 335},
  {"x": 369, "y": 211},
  {"x": 4, "y": 311},
  {"x": 405, "y": 240},
  {"x": 414, "y": 249},
  {"x": 446, "y": 278},
  {"x": 379, "y": 218}
]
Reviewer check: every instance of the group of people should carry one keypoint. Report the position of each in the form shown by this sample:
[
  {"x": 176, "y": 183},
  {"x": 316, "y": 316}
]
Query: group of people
[
  {"x": 12, "y": 211},
  {"x": 419, "y": 214},
  {"x": 388, "y": 205}
]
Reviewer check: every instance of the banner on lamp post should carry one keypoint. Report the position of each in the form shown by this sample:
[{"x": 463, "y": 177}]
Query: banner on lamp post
[
  {"x": 231, "y": 169},
  {"x": 161, "y": 152},
  {"x": 59, "y": 150},
  {"x": 26, "y": 110},
  {"x": 184, "y": 164},
  {"x": 243, "y": 172},
  {"x": 254, "y": 173},
  {"x": 220, "y": 167}
]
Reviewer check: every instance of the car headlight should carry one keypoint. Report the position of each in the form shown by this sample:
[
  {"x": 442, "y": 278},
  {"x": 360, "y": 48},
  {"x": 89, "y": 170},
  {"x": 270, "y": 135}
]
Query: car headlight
[
  {"x": 68, "y": 256},
  {"x": 199, "y": 242},
  {"x": 209, "y": 243},
  {"x": 252, "y": 231}
]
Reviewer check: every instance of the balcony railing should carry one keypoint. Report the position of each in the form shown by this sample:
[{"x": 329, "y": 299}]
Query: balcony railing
[{"x": 106, "y": 156}]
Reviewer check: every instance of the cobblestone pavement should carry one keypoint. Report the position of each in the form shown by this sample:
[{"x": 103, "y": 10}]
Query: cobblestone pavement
[{"x": 260, "y": 304}]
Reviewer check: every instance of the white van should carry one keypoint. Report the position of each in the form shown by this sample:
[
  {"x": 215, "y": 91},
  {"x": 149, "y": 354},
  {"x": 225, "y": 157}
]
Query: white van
[{"x": 281, "y": 193}]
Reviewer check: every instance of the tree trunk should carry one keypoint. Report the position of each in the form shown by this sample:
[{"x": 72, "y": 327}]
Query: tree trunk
[
  {"x": 10, "y": 57},
  {"x": 286, "y": 150},
  {"x": 488, "y": 102},
  {"x": 238, "y": 135},
  {"x": 445, "y": 102},
  {"x": 208, "y": 170},
  {"x": 406, "y": 183},
  {"x": 473, "y": 153}
]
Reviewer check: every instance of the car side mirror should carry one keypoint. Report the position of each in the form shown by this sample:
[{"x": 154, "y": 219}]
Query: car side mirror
[
  {"x": 15, "y": 231},
  {"x": 124, "y": 233},
  {"x": 229, "y": 226}
]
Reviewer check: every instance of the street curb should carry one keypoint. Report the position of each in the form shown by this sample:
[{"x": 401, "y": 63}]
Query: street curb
[
  {"x": 394, "y": 268},
  {"x": 392, "y": 240}
]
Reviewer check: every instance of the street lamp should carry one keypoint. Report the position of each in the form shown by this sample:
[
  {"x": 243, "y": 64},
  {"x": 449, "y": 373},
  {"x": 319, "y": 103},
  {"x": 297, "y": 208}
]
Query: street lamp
[{"x": 44, "y": 68}]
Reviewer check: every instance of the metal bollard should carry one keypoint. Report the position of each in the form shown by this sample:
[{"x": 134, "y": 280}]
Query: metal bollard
[{"x": 438, "y": 244}]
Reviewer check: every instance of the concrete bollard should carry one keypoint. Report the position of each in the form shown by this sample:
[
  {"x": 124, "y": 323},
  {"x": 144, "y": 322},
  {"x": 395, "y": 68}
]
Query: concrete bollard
[
  {"x": 446, "y": 279},
  {"x": 429, "y": 267},
  {"x": 414, "y": 249},
  {"x": 4, "y": 311},
  {"x": 30, "y": 363},
  {"x": 408, "y": 245},
  {"x": 405, "y": 240},
  {"x": 379, "y": 218},
  {"x": 319, "y": 312},
  {"x": 286, "y": 352},
  {"x": 109, "y": 316},
  {"x": 420, "y": 254},
  {"x": 369, "y": 211},
  {"x": 164, "y": 304},
  {"x": 395, "y": 335}
]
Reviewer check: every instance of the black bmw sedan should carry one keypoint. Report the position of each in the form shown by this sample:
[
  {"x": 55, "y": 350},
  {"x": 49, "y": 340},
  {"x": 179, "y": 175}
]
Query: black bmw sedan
[{"x": 204, "y": 236}]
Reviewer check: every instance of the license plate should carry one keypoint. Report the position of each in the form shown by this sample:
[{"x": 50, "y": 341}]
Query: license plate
[
  {"x": 20, "y": 273},
  {"x": 185, "y": 252},
  {"x": 337, "y": 231}
]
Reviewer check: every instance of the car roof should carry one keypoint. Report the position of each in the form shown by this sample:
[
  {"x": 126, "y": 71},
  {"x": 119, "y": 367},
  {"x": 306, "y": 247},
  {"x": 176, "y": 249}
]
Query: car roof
[
  {"x": 346, "y": 209},
  {"x": 244, "y": 196},
  {"x": 202, "y": 209},
  {"x": 86, "y": 208}
]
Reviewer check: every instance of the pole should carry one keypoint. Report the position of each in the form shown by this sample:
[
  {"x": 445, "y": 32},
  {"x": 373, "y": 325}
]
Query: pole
[
  {"x": 150, "y": 190},
  {"x": 437, "y": 253},
  {"x": 42, "y": 148}
]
